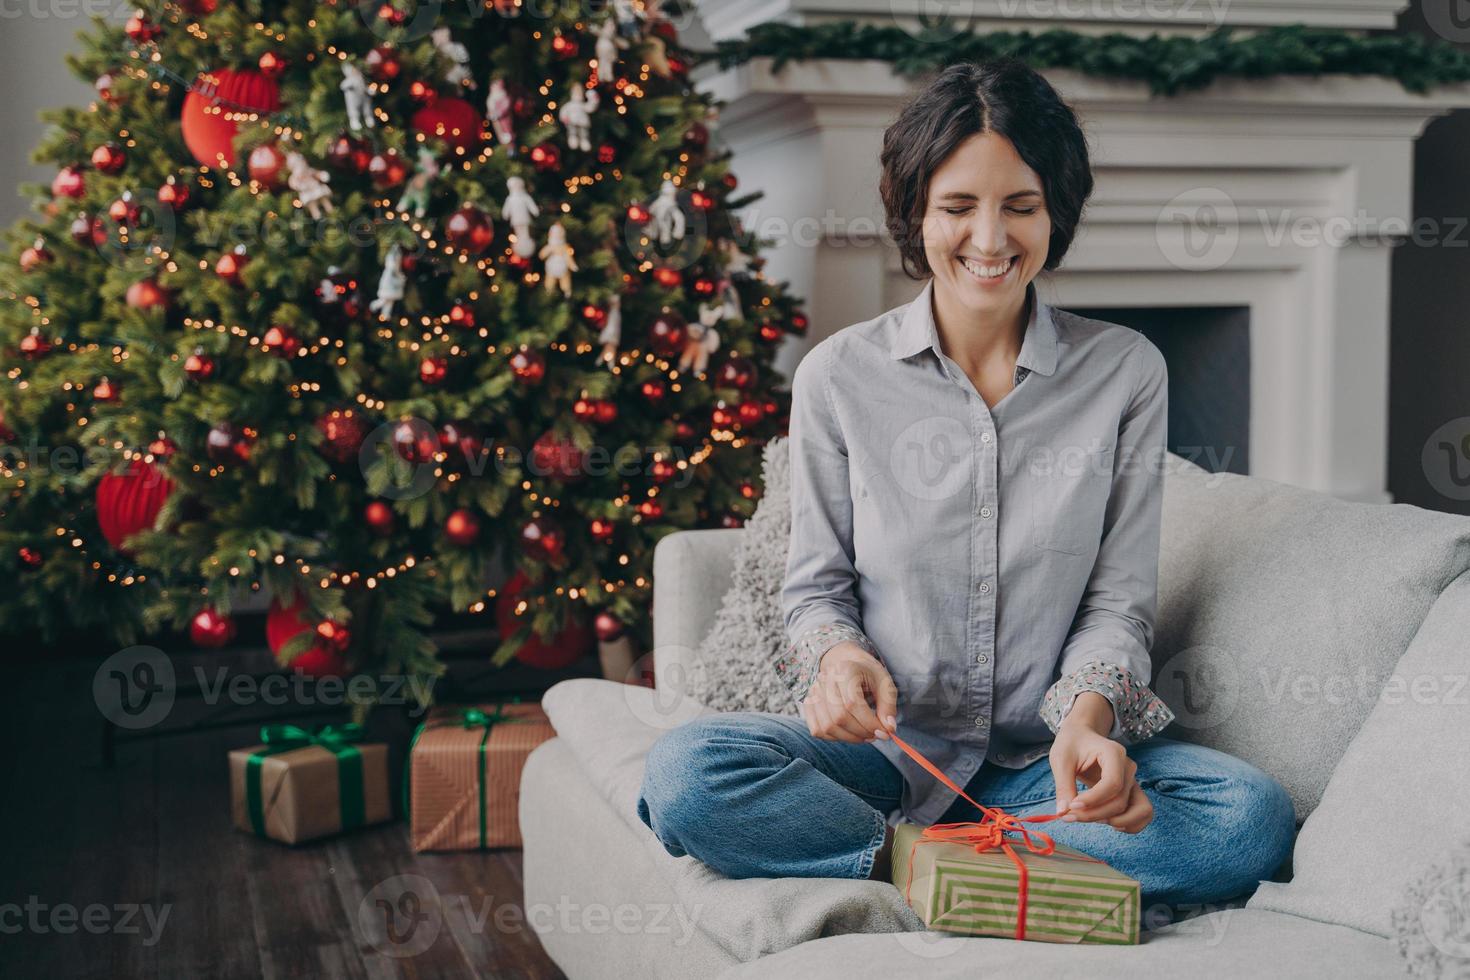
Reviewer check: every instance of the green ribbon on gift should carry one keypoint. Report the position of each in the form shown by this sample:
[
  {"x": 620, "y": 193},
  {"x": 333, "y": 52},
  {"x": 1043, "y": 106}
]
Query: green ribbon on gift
[
  {"x": 336, "y": 739},
  {"x": 467, "y": 718}
]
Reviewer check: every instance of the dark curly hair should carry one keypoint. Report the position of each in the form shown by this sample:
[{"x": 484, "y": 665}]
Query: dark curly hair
[{"x": 1004, "y": 96}]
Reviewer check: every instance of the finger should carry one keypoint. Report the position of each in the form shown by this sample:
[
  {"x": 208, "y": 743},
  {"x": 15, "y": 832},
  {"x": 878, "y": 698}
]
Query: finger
[
  {"x": 887, "y": 699},
  {"x": 1138, "y": 815},
  {"x": 1104, "y": 811},
  {"x": 829, "y": 707},
  {"x": 1113, "y": 764},
  {"x": 1064, "y": 773},
  {"x": 855, "y": 706}
]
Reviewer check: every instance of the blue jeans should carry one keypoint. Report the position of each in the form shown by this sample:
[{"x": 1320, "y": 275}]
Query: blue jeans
[{"x": 754, "y": 795}]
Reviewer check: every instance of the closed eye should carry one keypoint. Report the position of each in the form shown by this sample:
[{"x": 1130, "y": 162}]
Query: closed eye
[{"x": 956, "y": 212}]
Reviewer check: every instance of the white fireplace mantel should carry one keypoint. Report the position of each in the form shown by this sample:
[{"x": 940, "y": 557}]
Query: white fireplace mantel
[{"x": 1281, "y": 195}]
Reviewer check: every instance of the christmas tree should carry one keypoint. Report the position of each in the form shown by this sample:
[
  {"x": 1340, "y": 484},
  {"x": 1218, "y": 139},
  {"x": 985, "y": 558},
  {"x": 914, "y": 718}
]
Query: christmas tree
[{"x": 358, "y": 303}]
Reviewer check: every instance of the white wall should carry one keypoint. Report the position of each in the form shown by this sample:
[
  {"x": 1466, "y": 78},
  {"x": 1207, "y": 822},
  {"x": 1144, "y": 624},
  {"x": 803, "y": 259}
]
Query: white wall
[{"x": 35, "y": 35}]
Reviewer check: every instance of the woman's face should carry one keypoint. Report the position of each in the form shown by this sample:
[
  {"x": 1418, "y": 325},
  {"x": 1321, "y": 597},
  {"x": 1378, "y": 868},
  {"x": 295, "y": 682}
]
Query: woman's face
[{"x": 986, "y": 212}]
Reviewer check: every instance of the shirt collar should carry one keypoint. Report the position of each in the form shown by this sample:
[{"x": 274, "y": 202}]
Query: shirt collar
[{"x": 917, "y": 331}]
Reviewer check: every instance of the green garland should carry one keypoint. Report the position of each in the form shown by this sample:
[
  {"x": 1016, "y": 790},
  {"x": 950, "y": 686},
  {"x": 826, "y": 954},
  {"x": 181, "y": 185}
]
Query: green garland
[{"x": 1168, "y": 64}]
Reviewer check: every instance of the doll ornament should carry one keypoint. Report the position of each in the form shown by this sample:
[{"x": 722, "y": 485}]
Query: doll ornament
[
  {"x": 310, "y": 185},
  {"x": 626, "y": 16},
  {"x": 612, "y": 332},
  {"x": 559, "y": 262},
  {"x": 390, "y": 285},
  {"x": 608, "y": 46},
  {"x": 359, "y": 101},
  {"x": 668, "y": 216},
  {"x": 499, "y": 108},
  {"x": 416, "y": 195},
  {"x": 702, "y": 340},
  {"x": 457, "y": 53},
  {"x": 519, "y": 208},
  {"x": 576, "y": 116}
]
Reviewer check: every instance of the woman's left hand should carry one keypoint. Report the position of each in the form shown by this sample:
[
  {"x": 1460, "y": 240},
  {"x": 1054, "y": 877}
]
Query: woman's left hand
[{"x": 1113, "y": 794}]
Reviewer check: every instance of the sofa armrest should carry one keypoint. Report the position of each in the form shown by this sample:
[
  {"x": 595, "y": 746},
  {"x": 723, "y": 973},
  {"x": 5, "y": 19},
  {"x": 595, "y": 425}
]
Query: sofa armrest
[{"x": 691, "y": 573}]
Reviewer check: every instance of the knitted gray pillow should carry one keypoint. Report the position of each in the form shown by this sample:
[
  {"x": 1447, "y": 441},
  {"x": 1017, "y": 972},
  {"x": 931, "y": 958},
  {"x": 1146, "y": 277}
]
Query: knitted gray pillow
[{"x": 732, "y": 669}]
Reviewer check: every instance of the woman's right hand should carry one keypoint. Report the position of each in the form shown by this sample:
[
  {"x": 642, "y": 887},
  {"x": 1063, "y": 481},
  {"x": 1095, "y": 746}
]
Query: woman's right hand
[{"x": 837, "y": 707}]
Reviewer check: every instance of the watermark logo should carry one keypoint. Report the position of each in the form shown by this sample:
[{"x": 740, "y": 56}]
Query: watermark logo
[
  {"x": 134, "y": 688},
  {"x": 1198, "y": 229},
  {"x": 930, "y": 459},
  {"x": 401, "y": 917},
  {"x": 1201, "y": 685},
  {"x": 1446, "y": 459}
]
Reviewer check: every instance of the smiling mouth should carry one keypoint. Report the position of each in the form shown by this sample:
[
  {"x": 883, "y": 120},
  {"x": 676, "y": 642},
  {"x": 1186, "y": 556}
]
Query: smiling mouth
[{"x": 988, "y": 272}]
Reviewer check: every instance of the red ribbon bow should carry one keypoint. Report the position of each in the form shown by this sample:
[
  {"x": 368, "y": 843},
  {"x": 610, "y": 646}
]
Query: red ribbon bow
[{"x": 983, "y": 835}]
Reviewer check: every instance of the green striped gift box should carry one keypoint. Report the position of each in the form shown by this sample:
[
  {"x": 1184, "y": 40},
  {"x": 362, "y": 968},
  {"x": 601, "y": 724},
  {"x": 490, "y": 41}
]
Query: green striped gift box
[{"x": 1070, "y": 897}]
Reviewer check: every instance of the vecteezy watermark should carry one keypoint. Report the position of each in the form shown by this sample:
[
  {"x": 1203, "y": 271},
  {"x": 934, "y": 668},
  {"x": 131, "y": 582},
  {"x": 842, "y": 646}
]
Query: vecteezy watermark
[
  {"x": 938, "y": 21},
  {"x": 1450, "y": 19},
  {"x": 1446, "y": 459},
  {"x": 137, "y": 688},
  {"x": 404, "y": 915},
  {"x": 65, "y": 919}
]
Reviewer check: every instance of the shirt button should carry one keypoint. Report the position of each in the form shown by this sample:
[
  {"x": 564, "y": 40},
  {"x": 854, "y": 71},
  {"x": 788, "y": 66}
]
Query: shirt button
[
  {"x": 982, "y": 659},
  {"x": 980, "y": 722},
  {"x": 985, "y": 437},
  {"x": 1002, "y": 757},
  {"x": 985, "y": 512},
  {"x": 985, "y": 588}
]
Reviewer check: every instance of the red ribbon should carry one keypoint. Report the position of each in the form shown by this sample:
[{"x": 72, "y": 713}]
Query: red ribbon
[{"x": 983, "y": 835}]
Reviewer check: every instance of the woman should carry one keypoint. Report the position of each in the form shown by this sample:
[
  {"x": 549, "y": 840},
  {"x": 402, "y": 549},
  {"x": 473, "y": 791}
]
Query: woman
[{"x": 976, "y": 493}]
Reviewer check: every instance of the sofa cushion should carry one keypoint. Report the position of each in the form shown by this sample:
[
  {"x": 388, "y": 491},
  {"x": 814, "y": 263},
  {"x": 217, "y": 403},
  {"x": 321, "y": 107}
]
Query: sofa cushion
[
  {"x": 610, "y": 727},
  {"x": 732, "y": 667},
  {"x": 1223, "y": 945},
  {"x": 1282, "y": 611},
  {"x": 1398, "y": 799}
]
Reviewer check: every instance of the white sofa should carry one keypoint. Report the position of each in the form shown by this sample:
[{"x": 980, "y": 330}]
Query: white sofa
[{"x": 1320, "y": 640}]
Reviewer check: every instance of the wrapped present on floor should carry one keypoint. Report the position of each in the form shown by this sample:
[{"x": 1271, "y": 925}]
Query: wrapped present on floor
[
  {"x": 464, "y": 775},
  {"x": 998, "y": 877},
  {"x": 300, "y": 785}
]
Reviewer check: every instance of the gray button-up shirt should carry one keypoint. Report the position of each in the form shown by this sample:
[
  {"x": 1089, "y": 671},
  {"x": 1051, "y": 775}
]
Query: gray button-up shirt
[{"x": 981, "y": 552}]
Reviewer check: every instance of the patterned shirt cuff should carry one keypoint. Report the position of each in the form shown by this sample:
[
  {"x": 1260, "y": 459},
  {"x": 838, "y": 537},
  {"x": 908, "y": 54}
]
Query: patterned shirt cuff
[
  {"x": 1137, "y": 711},
  {"x": 798, "y": 666}
]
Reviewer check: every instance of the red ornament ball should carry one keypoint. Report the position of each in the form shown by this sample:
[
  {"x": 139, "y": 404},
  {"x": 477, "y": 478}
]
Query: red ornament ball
[
  {"x": 141, "y": 30},
  {"x": 129, "y": 502},
  {"x": 323, "y": 658},
  {"x": 422, "y": 92},
  {"x": 199, "y": 8},
  {"x": 69, "y": 182},
  {"x": 528, "y": 365},
  {"x": 199, "y": 365},
  {"x": 650, "y": 510},
  {"x": 463, "y": 445},
  {"x": 570, "y": 644},
  {"x": 226, "y": 444},
  {"x": 147, "y": 294},
  {"x": 470, "y": 230},
  {"x": 89, "y": 231},
  {"x": 546, "y": 158},
  {"x": 350, "y": 154},
  {"x": 462, "y": 528},
  {"x": 564, "y": 46},
  {"x": 607, "y": 627},
  {"x": 607, "y": 153},
  {"x": 230, "y": 265},
  {"x": 663, "y": 471},
  {"x": 667, "y": 277},
  {"x": 110, "y": 159},
  {"x": 415, "y": 441},
  {"x": 770, "y": 333},
  {"x": 211, "y": 629},
  {"x": 267, "y": 166},
  {"x": 736, "y": 372},
  {"x": 106, "y": 391},
  {"x": 432, "y": 370},
  {"x": 607, "y": 411},
  {"x": 30, "y": 559},
  {"x": 388, "y": 170},
  {"x": 215, "y": 105},
  {"x": 384, "y": 63},
  {"x": 557, "y": 458},
  {"x": 696, "y": 137},
  {"x": 544, "y": 540},
  {"x": 36, "y": 256},
  {"x": 343, "y": 433},
  {"x": 654, "y": 390},
  {"x": 667, "y": 333},
  {"x": 639, "y": 215},
  {"x": 452, "y": 120},
  {"x": 281, "y": 341},
  {"x": 601, "y": 530},
  {"x": 271, "y": 65},
  {"x": 379, "y": 518},
  {"x": 750, "y": 413},
  {"x": 174, "y": 194},
  {"x": 462, "y": 315}
]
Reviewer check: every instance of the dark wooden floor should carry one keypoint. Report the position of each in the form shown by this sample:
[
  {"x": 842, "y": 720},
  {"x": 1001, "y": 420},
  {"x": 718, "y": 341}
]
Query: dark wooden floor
[{"x": 91, "y": 852}]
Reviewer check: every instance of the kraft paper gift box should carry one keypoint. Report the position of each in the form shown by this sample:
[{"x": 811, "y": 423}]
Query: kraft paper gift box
[
  {"x": 300, "y": 785},
  {"x": 464, "y": 775},
  {"x": 1069, "y": 897}
]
